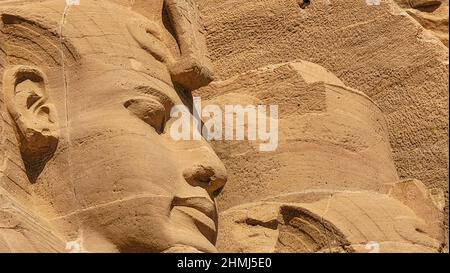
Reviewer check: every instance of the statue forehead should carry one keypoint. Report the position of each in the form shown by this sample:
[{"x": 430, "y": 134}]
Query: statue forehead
[
  {"x": 161, "y": 38},
  {"x": 97, "y": 30},
  {"x": 93, "y": 19}
]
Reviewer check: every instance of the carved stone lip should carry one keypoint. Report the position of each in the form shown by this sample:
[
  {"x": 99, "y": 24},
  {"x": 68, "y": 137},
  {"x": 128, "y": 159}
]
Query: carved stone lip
[{"x": 202, "y": 204}]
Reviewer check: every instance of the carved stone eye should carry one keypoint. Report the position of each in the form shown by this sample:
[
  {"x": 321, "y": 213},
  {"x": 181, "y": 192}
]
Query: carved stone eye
[{"x": 148, "y": 110}]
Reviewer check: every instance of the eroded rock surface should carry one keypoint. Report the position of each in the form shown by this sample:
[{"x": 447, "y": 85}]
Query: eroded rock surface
[
  {"x": 354, "y": 202},
  {"x": 87, "y": 163},
  {"x": 329, "y": 222},
  {"x": 431, "y": 14}
]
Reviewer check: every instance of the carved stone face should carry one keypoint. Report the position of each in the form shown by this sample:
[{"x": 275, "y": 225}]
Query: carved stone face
[
  {"x": 123, "y": 159},
  {"x": 116, "y": 181}
]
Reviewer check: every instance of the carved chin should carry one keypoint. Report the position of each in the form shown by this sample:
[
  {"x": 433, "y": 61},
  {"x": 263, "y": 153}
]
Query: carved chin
[{"x": 193, "y": 230}]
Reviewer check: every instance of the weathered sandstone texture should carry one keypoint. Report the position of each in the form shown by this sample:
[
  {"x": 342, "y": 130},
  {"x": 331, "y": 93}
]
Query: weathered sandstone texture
[
  {"x": 286, "y": 205},
  {"x": 379, "y": 50},
  {"x": 88, "y": 164},
  {"x": 431, "y": 14}
]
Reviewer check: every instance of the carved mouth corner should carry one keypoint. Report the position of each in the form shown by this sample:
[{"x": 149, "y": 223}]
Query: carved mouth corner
[{"x": 201, "y": 204}]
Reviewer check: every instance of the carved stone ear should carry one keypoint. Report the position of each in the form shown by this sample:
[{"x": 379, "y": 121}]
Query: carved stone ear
[{"x": 34, "y": 116}]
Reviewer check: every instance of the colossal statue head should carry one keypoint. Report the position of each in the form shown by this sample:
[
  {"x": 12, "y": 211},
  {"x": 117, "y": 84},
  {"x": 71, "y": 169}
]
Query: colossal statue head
[{"x": 87, "y": 91}]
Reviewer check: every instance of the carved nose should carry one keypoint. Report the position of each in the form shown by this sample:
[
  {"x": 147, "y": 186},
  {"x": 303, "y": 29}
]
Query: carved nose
[{"x": 212, "y": 179}]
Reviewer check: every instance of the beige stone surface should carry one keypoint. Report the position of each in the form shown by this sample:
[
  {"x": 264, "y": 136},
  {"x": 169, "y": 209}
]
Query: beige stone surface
[
  {"x": 323, "y": 125},
  {"x": 333, "y": 222},
  {"x": 22, "y": 231},
  {"x": 88, "y": 164},
  {"x": 86, "y": 96},
  {"x": 331, "y": 186},
  {"x": 379, "y": 50},
  {"x": 431, "y": 14}
]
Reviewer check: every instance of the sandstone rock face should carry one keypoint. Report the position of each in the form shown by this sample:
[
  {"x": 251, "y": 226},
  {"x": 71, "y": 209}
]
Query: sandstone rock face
[
  {"x": 323, "y": 125},
  {"x": 379, "y": 50},
  {"x": 88, "y": 161},
  {"x": 85, "y": 111},
  {"x": 286, "y": 204},
  {"x": 431, "y": 14},
  {"x": 328, "y": 222},
  {"x": 23, "y": 231}
]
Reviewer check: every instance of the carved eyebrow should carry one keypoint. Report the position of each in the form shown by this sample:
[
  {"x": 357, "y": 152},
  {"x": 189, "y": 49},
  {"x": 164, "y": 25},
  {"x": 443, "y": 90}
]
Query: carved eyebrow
[{"x": 151, "y": 91}]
